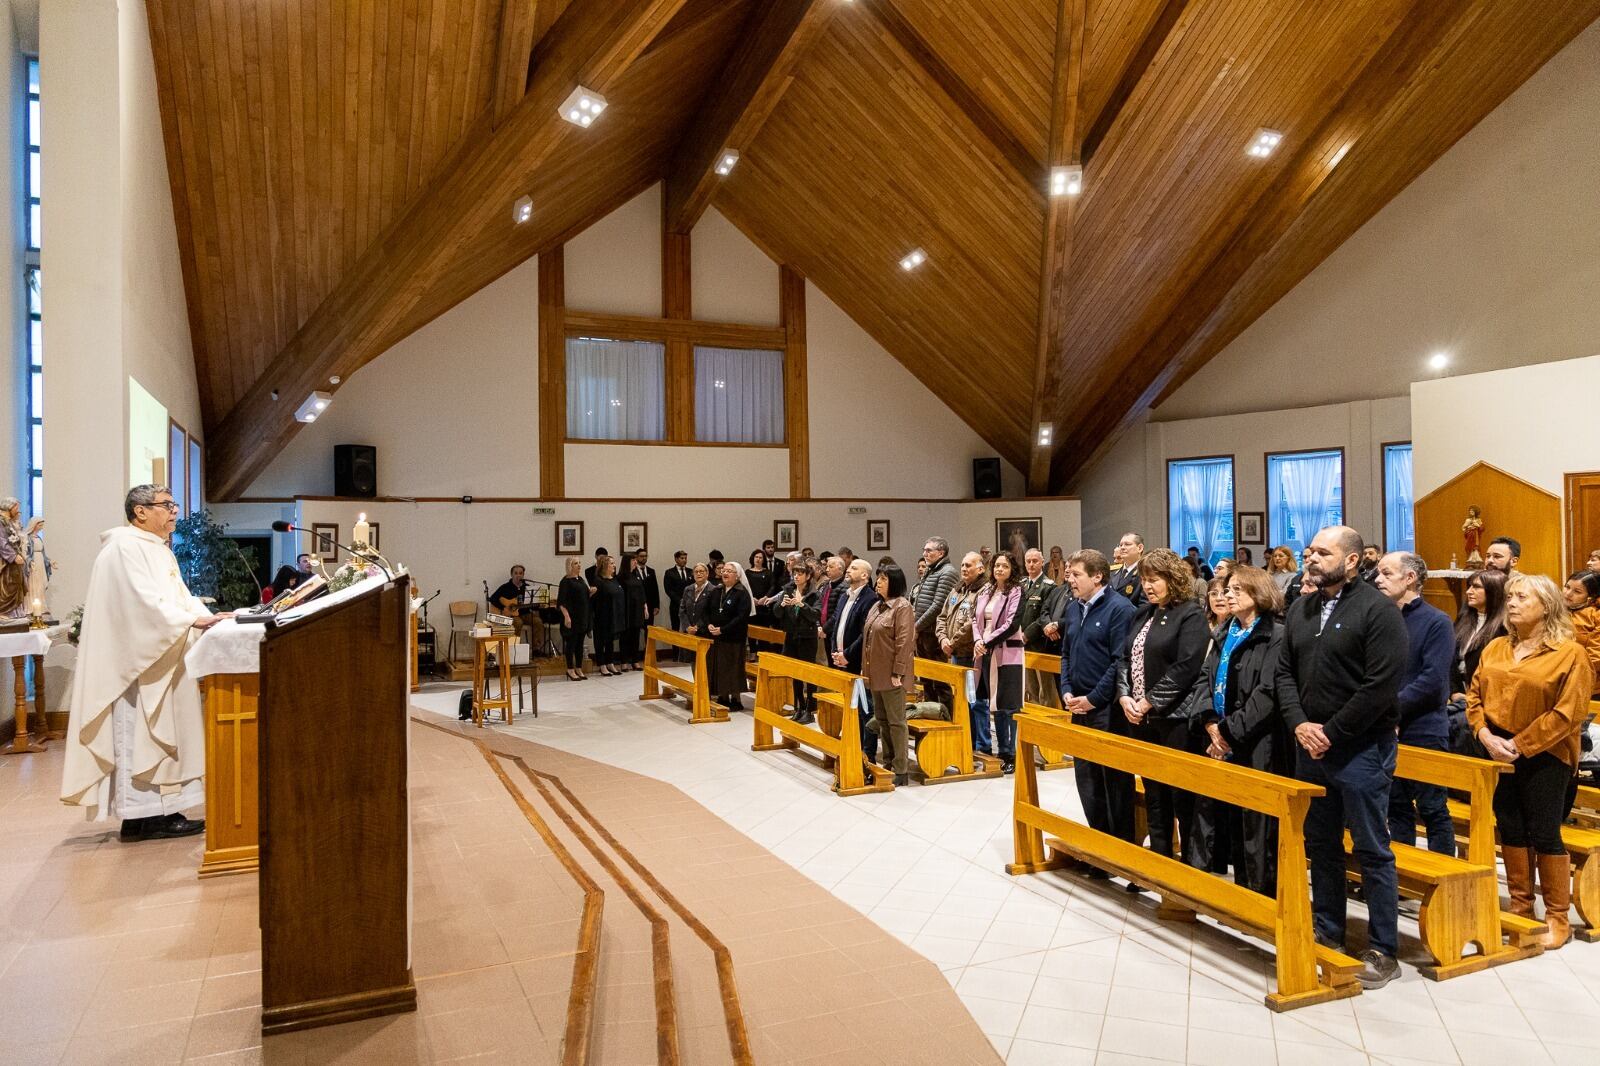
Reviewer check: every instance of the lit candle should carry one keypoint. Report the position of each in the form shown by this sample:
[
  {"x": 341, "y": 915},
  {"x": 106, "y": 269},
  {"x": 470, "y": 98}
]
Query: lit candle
[
  {"x": 362, "y": 531},
  {"x": 38, "y": 608}
]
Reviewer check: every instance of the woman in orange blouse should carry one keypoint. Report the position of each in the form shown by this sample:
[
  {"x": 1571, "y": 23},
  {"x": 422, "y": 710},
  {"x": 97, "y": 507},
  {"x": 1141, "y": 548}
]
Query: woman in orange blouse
[
  {"x": 1526, "y": 705},
  {"x": 1583, "y": 600}
]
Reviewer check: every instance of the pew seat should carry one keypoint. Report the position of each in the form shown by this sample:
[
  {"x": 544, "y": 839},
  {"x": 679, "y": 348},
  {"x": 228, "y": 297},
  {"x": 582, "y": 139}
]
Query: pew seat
[{"x": 1583, "y": 844}]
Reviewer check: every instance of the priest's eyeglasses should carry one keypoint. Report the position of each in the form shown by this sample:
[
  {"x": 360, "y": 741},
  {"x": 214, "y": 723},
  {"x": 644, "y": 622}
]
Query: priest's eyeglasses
[{"x": 170, "y": 505}]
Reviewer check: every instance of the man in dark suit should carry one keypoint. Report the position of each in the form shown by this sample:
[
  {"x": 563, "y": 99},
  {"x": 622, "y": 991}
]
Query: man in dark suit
[
  {"x": 592, "y": 573},
  {"x": 1124, "y": 580},
  {"x": 1095, "y": 634},
  {"x": 652, "y": 586},
  {"x": 1345, "y": 650},
  {"x": 829, "y": 591},
  {"x": 849, "y": 618},
  {"x": 673, "y": 582}
]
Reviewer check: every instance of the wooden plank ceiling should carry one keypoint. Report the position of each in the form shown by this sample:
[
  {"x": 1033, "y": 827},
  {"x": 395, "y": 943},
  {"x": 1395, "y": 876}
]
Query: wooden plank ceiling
[{"x": 342, "y": 172}]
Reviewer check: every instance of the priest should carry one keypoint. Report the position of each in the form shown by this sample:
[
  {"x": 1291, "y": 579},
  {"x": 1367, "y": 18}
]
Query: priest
[{"x": 136, "y": 733}]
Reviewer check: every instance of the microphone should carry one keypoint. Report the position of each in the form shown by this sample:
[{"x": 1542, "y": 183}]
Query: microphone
[
  {"x": 260, "y": 595},
  {"x": 280, "y": 526}
]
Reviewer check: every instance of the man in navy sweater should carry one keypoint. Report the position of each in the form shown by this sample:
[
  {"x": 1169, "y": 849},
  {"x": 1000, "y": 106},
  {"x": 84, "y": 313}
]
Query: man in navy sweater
[
  {"x": 1424, "y": 694},
  {"x": 1344, "y": 649},
  {"x": 1096, "y": 633}
]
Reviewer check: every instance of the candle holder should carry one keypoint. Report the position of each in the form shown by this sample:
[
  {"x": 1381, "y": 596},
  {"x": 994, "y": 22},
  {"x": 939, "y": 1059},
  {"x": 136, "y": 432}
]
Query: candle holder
[{"x": 38, "y": 621}]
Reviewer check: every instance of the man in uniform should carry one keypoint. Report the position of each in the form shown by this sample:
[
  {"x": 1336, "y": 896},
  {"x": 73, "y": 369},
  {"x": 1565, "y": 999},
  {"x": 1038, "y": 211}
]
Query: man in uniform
[{"x": 1125, "y": 578}]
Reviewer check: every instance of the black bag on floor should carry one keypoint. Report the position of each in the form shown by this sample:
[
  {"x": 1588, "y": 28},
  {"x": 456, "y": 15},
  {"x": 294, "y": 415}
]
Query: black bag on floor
[{"x": 464, "y": 708}]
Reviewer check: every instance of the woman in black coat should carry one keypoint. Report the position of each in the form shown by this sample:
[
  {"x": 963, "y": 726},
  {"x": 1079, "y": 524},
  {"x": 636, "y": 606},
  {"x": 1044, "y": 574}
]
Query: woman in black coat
[
  {"x": 1235, "y": 701},
  {"x": 763, "y": 583},
  {"x": 637, "y": 616},
  {"x": 798, "y": 613},
  {"x": 610, "y": 608},
  {"x": 1165, "y": 650},
  {"x": 572, "y": 598},
  {"x": 727, "y": 621}
]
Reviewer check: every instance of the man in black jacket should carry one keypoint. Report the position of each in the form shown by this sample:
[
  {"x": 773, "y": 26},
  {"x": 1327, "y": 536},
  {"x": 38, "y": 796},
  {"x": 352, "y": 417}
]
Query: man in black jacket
[
  {"x": 1093, "y": 641},
  {"x": 674, "y": 581},
  {"x": 1124, "y": 580},
  {"x": 1338, "y": 680}
]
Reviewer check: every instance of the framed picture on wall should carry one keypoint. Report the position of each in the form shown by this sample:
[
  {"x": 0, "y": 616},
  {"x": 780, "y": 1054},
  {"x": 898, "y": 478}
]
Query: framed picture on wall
[
  {"x": 569, "y": 538},
  {"x": 634, "y": 537},
  {"x": 1249, "y": 528},
  {"x": 786, "y": 534},
  {"x": 325, "y": 541},
  {"x": 373, "y": 540},
  {"x": 877, "y": 534},
  {"x": 1017, "y": 535}
]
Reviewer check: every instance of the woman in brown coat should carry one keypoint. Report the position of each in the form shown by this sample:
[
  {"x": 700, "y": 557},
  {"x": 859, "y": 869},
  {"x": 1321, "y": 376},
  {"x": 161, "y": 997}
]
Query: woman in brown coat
[
  {"x": 887, "y": 646},
  {"x": 1526, "y": 704}
]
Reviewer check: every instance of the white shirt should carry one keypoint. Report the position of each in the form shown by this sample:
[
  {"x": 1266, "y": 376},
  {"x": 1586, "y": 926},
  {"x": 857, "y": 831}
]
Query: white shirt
[{"x": 844, "y": 618}]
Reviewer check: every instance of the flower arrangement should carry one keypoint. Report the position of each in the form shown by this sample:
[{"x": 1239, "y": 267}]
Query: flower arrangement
[
  {"x": 353, "y": 573},
  {"x": 75, "y": 625}
]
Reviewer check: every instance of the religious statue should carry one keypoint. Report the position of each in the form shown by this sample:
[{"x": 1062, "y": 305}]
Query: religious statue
[
  {"x": 1472, "y": 532},
  {"x": 22, "y": 566}
]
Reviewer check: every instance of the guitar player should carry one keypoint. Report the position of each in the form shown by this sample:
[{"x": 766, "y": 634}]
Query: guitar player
[{"x": 509, "y": 599}]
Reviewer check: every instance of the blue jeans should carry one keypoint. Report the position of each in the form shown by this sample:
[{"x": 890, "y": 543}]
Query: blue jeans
[
  {"x": 982, "y": 739},
  {"x": 1005, "y": 734},
  {"x": 1358, "y": 780},
  {"x": 1413, "y": 801}
]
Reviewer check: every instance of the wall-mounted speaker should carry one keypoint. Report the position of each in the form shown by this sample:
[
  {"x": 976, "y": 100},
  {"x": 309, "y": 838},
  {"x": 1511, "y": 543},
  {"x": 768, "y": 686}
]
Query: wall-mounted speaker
[
  {"x": 355, "y": 471},
  {"x": 986, "y": 478}
]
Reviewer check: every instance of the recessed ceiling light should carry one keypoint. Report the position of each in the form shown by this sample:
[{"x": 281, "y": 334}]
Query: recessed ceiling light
[
  {"x": 522, "y": 210},
  {"x": 915, "y": 258},
  {"x": 1066, "y": 181},
  {"x": 1264, "y": 143},
  {"x": 314, "y": 405},
  {"x": 727, "y": 161},
  {"x": 1439, "y": 360},
  {"x": 1047, "y": 432},
  {"x": 582, "y": 107}
]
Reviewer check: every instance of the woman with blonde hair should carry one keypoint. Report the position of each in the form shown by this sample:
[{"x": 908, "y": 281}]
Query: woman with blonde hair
[
  {"x": 1527, "y": 704},
  {"x": 1056, "y": 568},
  {"x": 1281, "y": 566}
]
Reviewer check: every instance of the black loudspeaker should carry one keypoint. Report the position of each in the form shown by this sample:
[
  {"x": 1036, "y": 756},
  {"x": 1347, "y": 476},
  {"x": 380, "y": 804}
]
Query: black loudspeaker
[
  {"x": 986, "y": 479},
  {"x": 355, "y": 471}
]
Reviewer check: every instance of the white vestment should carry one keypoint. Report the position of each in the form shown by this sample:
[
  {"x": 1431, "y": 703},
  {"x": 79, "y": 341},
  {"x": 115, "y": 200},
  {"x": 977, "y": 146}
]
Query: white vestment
[{"x": 136, "y": 733}]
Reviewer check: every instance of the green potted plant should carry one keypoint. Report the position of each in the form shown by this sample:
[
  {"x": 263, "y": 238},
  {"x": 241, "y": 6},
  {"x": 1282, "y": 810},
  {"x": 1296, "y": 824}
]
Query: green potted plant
[{"x": 212, "y": 566}]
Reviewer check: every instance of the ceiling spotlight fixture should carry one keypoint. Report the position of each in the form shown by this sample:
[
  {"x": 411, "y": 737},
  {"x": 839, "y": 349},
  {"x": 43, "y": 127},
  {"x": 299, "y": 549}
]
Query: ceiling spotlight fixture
[
  {"x": 1264, "y": 143},
  {"x": 1066, "y": 181},
  {"x": 1047, "y": 432},
  {"x": 334, "y": 380},
  {"x": 314, "y": 405},
  {"x": 1439, "y": 360},
  {"x": 522, "y": 210},
  {"x": 583, "y": 107},
  {"x": 914, "y": 259},
  {"x": 727, "y": 161}
]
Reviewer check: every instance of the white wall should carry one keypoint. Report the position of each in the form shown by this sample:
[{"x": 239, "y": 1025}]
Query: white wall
[
  {"x": 615, "y": 264},
  {"x": 1490, "y": 254},
  {"x": 1128, "y": 490},
  {"x": 1541, "y": 426},
  {"x": 624, "y": 471}
]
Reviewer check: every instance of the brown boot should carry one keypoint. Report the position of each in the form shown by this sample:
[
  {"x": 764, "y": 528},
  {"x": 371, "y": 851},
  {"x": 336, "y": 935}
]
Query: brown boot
[
  {"x": 1555, "y": 879},
  {"x": 1519, "y": 879}
]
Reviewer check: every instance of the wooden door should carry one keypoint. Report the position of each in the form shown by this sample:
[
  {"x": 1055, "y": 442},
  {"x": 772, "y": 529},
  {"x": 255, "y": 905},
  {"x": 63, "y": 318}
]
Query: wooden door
[{"x": 1583, "y": 518}]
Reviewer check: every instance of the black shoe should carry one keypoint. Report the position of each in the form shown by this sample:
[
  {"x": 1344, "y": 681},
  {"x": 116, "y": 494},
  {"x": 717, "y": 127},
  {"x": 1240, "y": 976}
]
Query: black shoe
[
  {"x": 1329, "y": 943},
  {"x": 1008, "y": 768},
  {"x": 162, "y": 828},
  {"x": 1377, "y": 969},
  {"x": 1093, "y": 873},
  {"x": 902, "y": 780},
  {"x": 1131, "y": 887}
]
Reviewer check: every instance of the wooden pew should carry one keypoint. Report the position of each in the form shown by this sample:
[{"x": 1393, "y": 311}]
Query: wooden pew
[
  {"x": 701, "y": 710},
  {"x": 1050, "y": 664},
  {"x": 1307, "y": 973},
  {"x": 775, "y": 677},
  {"x": 1460, "y": 896},
  {"x": 762, "y": 635},
  {"x": 941, "y": 744}
]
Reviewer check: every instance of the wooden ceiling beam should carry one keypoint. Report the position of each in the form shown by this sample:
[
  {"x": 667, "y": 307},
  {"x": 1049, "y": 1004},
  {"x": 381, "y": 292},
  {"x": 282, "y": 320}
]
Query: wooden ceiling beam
[
  {"x": 513, "y": 55},
  {"x": 593, "y": 43},
  {"x": 1006, "y": 148},
  {"x": 758, "y": 72},
  {"x": 1066, "y": 147},
  {"x": 1135, "y": 375},
  {"x": 1160, "y": 31}
]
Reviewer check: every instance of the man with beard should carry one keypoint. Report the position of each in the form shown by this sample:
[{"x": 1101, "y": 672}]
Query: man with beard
[
  {"x": 1368, "y": 569},
  {"x": 1345, "y": 648},
  {"x": 1503, "y": 555}
]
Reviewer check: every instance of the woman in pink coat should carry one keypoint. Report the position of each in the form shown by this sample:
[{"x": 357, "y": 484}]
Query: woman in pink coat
[{"x": 997, "y": 657}]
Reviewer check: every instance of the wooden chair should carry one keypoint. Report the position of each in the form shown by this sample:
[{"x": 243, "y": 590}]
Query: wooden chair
[
  {"x": 701, "y": 710},
  {"x": 1460, "y": 896},
  {"x": 463, "y": 615},
  {"x": 941, "y": 744},
  {"x": 837, "y": 735},
  {"x": 1307, "y": 973}
]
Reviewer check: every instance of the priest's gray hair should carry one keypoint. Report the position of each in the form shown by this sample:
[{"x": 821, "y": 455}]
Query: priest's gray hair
[{"x": 142, "y": 496}]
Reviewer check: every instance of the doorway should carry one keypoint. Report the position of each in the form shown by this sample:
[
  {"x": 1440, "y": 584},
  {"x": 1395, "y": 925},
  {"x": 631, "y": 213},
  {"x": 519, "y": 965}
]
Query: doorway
[{"x": 1583, "y": 518}]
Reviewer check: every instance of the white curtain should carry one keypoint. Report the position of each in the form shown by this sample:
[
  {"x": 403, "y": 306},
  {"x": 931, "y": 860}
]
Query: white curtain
[
  {"x": 1397, "y": 473},
  {"x": 1206, "y": 491},
  {"x": 738, "y": 396},
  {"x": 1308, "y": 484},
  {"x": 616, "y": 390}
]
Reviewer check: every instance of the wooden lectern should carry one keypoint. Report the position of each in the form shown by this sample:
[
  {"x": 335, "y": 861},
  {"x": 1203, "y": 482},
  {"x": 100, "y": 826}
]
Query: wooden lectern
[{"x": 335, "y": 832}]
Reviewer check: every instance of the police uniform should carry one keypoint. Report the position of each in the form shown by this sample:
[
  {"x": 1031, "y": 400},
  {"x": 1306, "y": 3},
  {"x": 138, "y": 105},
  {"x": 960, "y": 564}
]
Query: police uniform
[{"x": 1125, "y": 579}]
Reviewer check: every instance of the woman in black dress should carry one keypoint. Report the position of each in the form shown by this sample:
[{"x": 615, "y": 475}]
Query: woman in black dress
[
  {"x": 638, "y": 613},
  {"x": 610, "y": 607},
  {"x": 760, "y": 580},
  {"x": 572, "y": 597},
  {"x": 798, "y": 614},
  {"x": 727, "y": 622}
]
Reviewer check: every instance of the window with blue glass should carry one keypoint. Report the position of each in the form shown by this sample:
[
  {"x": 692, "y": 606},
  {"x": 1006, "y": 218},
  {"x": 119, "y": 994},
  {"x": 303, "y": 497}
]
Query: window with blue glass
[
  {"x": 31, "y": 281},
  {"x": 1200, "y": 506},
  {"x": 1399, "y": 517},
  {"x": 1305, "y": 494}
]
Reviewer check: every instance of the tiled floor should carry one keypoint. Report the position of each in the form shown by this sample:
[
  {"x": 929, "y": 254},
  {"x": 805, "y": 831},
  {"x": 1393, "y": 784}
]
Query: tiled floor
[{"x": 1055, "y": 970}]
